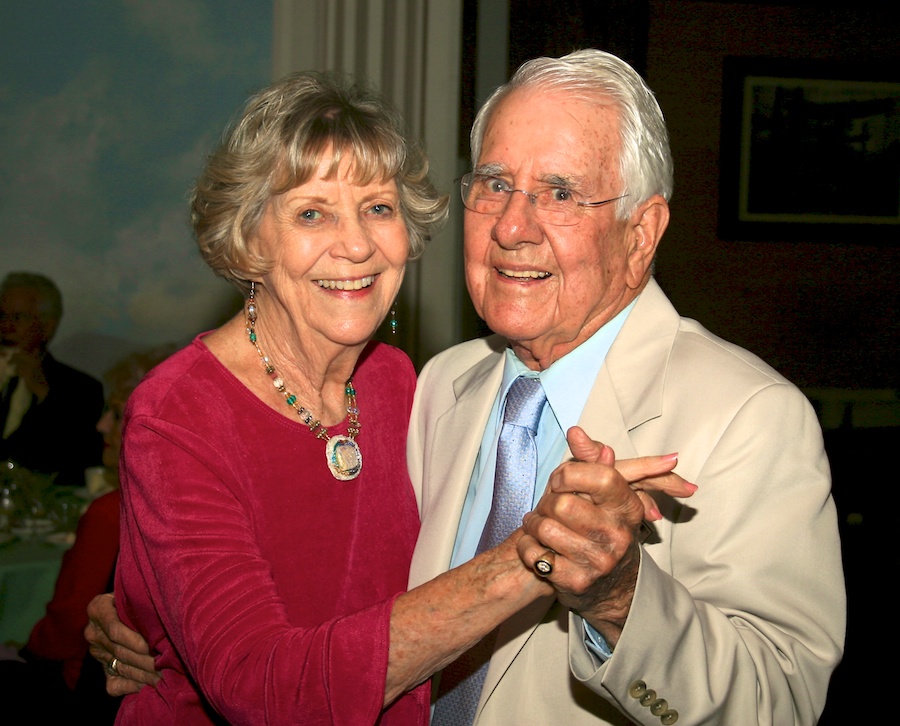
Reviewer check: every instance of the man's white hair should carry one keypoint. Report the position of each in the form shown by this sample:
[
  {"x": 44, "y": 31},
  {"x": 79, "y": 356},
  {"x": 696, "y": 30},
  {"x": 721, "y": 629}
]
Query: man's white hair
[{"x": 595, "y": 76}]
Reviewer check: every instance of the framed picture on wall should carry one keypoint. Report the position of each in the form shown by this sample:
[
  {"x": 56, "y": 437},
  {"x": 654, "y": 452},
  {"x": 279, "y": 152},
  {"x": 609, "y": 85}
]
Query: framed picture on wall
[{"x": 809, "y": 150}]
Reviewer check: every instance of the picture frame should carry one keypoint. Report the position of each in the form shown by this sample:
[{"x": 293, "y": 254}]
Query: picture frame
[{"x": 809, "y": 151}]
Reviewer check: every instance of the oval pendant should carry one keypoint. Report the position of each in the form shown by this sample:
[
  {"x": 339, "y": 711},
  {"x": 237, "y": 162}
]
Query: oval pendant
[{"x": 344, "y": 457}]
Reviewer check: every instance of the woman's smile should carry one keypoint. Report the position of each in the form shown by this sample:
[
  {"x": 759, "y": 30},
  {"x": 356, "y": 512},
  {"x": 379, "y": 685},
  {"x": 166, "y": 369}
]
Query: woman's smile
[{"x": 357, "y": 284}]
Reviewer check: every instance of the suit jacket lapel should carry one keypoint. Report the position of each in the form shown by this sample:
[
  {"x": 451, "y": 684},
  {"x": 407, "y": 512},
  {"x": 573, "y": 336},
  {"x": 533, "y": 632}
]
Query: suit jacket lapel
[
  {"x": 462, "y": 428},
  {"x": 629, "y": 389},
  {"x": 457, "y": 439}
]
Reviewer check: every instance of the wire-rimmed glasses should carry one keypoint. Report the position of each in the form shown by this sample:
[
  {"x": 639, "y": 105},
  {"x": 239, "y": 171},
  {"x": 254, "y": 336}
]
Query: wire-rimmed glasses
[{"x": 556, "y": 205}]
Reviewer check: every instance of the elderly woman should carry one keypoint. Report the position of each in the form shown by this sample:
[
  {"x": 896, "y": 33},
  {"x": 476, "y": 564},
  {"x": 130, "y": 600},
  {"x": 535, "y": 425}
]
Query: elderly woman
[{"x": 268, "y": 522}]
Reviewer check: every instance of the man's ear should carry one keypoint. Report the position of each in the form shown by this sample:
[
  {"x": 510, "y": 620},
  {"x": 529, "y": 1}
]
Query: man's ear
[
  {"x": 648, "y": 222},
  {"x": 51, "y": 325}
]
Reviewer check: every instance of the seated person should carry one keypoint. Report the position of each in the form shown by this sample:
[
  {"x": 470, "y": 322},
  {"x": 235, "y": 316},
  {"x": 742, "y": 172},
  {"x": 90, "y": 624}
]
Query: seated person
[
  {"x": 56, "y": 648},
  {"x": 48, "y": 410}
]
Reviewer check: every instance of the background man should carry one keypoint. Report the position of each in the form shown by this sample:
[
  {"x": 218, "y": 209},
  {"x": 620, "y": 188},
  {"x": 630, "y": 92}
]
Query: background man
[
  {"x": 49, "y": 411},
  {"x": 733, "y": 609}
]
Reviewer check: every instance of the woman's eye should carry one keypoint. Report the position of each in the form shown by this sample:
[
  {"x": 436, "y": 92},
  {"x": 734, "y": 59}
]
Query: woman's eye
[
  {"x": 382, "y": 210},
  {"x": 311, "y": 215}
]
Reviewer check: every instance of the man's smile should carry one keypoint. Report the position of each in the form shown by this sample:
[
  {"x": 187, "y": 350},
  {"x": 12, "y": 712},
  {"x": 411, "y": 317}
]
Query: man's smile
[{"x": 523, "y": 274}]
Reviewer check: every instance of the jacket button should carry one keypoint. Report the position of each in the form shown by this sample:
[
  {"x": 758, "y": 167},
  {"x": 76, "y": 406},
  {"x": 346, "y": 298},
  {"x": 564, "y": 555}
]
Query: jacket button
[
  {"x": 648, "y": 697},
  {"x": 669, "y": 717},
  {"x": 659, "y": 706},
  {"x": 637, "y": 689}
]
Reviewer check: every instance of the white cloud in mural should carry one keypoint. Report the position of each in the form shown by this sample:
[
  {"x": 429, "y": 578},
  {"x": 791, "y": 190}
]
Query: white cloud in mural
[
  {"x": 179, "y": 25},
  {"x": 169, "y": 289},
  {"x": 52, "y": 158},
  {"x": 185, "y": 29}
]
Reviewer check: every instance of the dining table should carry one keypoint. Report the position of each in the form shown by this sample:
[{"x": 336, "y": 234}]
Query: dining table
[
  {"x": 37, "y": 526},
  {"x": 29, "y": 567}
]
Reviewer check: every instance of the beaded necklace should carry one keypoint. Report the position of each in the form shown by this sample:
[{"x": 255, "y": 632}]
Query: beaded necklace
[{"x": 342, "y": 453}]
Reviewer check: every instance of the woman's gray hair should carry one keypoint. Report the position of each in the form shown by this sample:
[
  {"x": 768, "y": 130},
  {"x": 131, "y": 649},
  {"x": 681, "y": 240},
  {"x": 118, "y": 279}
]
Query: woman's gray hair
[
  {"x": 278, "y": 142},
  {"x": 598, "y": 77}
]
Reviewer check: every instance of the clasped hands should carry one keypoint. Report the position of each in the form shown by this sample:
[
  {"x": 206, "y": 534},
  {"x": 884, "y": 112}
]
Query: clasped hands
[
  {"x": 586, "y": 526},
  {"x": 28, "y": 367}
]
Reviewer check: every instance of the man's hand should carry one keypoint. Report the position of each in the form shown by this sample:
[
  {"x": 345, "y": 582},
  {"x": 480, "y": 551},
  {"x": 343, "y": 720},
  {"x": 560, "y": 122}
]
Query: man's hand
[
  {"x": 29, "y": 368},
  {"x": 588, "y": 520},
  {"x": 109, "y": 638}
]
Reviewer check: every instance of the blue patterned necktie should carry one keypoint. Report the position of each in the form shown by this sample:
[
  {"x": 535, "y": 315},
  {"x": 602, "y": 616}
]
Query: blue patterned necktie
[{"x": 514, "y": 479}]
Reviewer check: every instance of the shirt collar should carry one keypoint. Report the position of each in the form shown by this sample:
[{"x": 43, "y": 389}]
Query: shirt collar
[{"x": 568, "y": 380}]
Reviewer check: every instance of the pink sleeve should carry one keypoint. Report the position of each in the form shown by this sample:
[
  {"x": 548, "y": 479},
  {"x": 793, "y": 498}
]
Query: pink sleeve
[{"x": 192, "y": 579}]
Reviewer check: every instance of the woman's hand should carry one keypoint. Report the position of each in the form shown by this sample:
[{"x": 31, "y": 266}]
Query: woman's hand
[
  {"x": 124, "y": 654},
  {"x": 644, "y": 474},
  {"x": 432, "y": 624}
]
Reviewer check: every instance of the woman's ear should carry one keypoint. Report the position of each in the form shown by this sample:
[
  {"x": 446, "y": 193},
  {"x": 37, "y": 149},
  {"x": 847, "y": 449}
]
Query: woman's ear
[{"x": 648, "y": 222}]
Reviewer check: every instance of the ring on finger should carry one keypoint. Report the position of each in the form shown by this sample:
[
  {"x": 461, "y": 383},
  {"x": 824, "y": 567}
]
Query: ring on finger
[
  {"x": 113, "y": 667},
  {"x": 543, "y": 565}
]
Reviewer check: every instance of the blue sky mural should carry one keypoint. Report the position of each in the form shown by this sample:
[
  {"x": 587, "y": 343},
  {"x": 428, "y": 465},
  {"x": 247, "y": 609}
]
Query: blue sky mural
[{"x": 107, "y": 110}]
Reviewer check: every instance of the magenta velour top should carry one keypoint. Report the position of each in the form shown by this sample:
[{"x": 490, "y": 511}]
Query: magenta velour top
[{"x": 263, "y": 584}]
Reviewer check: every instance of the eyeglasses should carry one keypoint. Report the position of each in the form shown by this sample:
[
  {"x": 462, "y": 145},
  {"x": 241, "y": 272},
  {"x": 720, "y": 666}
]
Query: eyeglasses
[{"x": 558, "y": 205}]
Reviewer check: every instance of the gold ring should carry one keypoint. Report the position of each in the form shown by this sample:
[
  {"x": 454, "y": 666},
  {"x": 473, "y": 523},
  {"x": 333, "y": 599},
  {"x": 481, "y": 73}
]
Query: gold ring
[
  {"x": 543, "y": 567},
  {"x": 113, "y": 667}
]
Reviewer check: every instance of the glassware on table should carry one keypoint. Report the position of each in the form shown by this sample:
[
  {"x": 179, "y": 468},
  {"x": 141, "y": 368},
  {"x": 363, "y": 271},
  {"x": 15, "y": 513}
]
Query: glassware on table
[
  {"x": 65, "y": 509},
  {"x": 26, "y": 496},
  {"x": 11, "y": 500}
]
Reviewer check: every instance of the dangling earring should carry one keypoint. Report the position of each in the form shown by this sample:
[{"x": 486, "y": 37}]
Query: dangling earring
[
  {"x": 250, "y": 311},
  {"x": 394, "y": 322}
]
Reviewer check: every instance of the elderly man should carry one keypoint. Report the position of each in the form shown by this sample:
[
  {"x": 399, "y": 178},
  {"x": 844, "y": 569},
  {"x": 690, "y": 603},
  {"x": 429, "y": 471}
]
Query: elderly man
[
  {"x": 49, "y": 411},
  {"x": 729, "y": 608},
  {"x": 732, "y": 610}
]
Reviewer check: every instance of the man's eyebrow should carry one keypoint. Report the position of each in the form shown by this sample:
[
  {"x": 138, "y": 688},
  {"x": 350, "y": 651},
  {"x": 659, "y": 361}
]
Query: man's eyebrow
[
  {"x": 492, "y": 169},
  {"x": 567, "y": 181}
]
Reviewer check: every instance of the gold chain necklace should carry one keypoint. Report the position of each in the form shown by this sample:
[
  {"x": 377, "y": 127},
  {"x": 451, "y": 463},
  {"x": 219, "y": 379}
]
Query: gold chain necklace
[{"x": 342, "y": 453}]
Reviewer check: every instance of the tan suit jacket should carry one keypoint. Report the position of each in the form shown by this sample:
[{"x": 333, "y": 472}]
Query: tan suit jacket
[{"x": 739, "y": 612}]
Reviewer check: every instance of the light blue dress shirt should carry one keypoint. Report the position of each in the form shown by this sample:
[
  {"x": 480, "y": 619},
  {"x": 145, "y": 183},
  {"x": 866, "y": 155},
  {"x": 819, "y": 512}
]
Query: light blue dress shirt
[{"x": 566, "y": 383}]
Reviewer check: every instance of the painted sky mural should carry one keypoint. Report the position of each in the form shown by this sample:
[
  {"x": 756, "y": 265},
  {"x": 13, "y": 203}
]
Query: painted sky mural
[{"x": 107, "y": 111}]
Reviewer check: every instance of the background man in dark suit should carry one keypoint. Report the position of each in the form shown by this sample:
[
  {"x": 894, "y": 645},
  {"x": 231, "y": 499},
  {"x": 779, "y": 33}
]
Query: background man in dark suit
[{"x": 48, "y": 410}]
